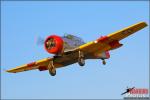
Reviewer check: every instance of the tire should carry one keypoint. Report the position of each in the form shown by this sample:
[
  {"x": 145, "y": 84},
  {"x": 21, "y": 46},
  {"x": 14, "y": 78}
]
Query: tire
[
  {"x": 81, "y": 61},
  {"x": 104, "y": 63},
  {"x": 52, "y": 72}
]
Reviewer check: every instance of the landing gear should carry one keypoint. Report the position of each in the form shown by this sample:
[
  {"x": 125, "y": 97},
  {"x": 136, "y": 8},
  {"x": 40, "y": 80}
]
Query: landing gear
[
  {"x": 103, "y": 61},
  {"x": 51, "y": 68},
  {"x": 81, "y": 60}
]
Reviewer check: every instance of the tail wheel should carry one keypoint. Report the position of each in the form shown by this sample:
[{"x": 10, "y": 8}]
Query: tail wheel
[
  {"x": 81, "y": 60},
  {"x": 52, "y": 69},
  {"x": 104, "y": 62}
]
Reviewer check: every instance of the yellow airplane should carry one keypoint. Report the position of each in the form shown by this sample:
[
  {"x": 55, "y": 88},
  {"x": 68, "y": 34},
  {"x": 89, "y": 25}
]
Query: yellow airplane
[{"x": 70, "y": 49}]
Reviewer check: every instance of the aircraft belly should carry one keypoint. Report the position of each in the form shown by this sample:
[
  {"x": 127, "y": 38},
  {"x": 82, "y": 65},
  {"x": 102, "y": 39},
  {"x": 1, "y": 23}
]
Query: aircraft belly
[
  {"x": 66, "y": 59},
  {"x": 93, "y": 53}
]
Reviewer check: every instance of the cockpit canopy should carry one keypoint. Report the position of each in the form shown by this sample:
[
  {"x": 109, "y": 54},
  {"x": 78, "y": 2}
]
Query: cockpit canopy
[{"x": 71, "y": 41}]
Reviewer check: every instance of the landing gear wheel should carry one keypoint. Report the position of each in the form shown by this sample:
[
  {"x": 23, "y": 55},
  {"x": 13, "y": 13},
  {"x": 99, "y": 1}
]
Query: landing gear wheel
[
  {"x": 104, "y": 62},
  {"x": 52, "y": 72},
  {"x": 81, "y": 60},
  {"x": 51, "y": 69}
]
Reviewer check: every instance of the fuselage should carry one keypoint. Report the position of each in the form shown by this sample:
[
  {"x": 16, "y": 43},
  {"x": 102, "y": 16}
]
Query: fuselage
[{"x": 72, "y": 42}]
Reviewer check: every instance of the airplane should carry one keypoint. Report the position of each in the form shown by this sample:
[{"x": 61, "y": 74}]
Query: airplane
[
  {"x": 128, "y": 90},
  {"x": 70, "y": 49}
]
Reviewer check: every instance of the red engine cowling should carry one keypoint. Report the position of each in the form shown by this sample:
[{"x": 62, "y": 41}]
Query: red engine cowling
[{"x": 54, "y": 44}]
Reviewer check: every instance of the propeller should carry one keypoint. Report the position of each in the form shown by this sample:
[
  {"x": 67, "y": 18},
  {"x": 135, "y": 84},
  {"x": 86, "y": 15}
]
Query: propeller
[{"x": 40, "y": 41}]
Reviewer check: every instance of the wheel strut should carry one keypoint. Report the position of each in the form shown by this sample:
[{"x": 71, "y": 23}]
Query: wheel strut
[
  {"x": 81, "y": 60},
  {"x": 51, "y": 68}
]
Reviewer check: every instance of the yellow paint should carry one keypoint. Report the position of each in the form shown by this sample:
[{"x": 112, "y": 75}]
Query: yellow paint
[
  {"x": 132, "y": 29},
  {"x": 86, "y": 45}
]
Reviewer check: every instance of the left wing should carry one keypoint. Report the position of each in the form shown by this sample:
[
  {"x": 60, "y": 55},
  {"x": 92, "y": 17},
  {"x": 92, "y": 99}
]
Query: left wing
[
  {"x": 121, "y": 34},
  {"x": 111, "y": 41}
]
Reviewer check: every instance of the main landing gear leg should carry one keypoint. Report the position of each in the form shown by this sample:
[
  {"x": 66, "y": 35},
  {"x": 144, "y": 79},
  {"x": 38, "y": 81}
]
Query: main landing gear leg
[
  {"x": 81, "y": 60},
  {"x": 51, "y": 68}
]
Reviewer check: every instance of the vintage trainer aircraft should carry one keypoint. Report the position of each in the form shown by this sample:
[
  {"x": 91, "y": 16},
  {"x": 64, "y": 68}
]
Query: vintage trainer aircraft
[{"x": 70, "y": 49}]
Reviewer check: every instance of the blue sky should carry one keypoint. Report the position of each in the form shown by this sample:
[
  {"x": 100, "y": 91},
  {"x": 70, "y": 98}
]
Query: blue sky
[{"x": 23, "y": 22}]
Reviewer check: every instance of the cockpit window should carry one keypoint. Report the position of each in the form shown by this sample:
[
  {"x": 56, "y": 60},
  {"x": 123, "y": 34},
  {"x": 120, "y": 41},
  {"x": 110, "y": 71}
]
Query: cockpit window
[{"x": 71, "y": 41}]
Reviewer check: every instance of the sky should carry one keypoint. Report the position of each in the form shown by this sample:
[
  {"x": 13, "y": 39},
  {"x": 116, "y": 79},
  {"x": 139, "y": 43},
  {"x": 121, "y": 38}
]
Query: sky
[{"x": 23, "y": 22}]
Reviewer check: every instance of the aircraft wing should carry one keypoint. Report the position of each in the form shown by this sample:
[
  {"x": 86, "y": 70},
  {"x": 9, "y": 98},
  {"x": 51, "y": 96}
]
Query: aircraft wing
[
  {"x": 121, "y": 34},
  {"x": 111, "y": 41},
  {"x": 40, "y": 64}
]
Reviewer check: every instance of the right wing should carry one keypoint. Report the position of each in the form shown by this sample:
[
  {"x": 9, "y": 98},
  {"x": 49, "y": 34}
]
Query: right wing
[{"x": 40, "y": 64}]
